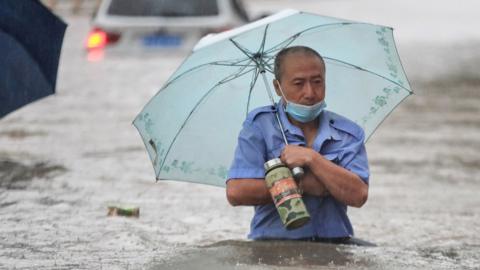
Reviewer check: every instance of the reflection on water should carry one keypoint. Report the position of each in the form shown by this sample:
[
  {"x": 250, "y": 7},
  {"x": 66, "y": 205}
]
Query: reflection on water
[{"x": 262, "y": 255}]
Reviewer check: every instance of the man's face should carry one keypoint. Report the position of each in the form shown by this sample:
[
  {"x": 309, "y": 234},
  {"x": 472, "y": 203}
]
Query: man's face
[{"x": 302, "y": 79}]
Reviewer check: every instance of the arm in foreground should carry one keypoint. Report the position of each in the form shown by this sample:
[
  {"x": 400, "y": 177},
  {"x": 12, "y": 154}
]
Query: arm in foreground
[
  {"x": 244, "y": 191},
  {"x": 344, "y": 185},
  {"x": 255, "y": 191}
]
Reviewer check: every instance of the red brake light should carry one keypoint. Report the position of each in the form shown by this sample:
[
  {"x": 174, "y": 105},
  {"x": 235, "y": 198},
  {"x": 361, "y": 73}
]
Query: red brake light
[{"x": 98, "y": 38}]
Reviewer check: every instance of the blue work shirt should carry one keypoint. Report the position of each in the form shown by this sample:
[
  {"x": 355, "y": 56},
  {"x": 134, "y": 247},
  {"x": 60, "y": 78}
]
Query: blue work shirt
[{"x": 338, "y": 139}]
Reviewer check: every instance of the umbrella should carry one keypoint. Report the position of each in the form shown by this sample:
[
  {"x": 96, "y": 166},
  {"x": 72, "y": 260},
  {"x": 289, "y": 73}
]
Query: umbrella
[
  {"x": 190, "y": 126},
  {"x": 30, "y": 42}
]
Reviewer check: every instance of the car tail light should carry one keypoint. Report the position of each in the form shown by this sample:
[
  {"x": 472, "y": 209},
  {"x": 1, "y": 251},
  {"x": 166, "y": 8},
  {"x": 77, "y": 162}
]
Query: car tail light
[{"x": 97, "y": 38}]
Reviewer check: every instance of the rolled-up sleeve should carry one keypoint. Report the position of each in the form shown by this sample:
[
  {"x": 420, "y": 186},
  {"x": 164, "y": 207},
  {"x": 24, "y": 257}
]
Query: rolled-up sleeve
[
  {"x": 354, "y": 156},
  {"x": 250, "y": 154}
]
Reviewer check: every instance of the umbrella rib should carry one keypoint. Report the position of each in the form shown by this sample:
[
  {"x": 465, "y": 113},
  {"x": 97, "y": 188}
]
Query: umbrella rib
[
  {"x": 235, "y": 65},
  {"x": 232, "y": 62},
  {"x": 190, "y": 115},
  {"x": 247, "y": 53},
  {"x": 237, "y": 76},
  {"x": 269, "y": 68},
  {"x": 368, "y": 71},
  {"x": 262, "y": 46},
  {"x": 242, "y": 49},
  {"x": 252, "y": 84},
  {"x": 240, "y": 73},
  {"x": 219, "y": 63},
  {"x": 280, "y": 46},
  {"x": 296, "y": 35}
]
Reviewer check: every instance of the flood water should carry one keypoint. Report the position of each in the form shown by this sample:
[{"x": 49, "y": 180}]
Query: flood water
[{"x": 66, "y": 158}]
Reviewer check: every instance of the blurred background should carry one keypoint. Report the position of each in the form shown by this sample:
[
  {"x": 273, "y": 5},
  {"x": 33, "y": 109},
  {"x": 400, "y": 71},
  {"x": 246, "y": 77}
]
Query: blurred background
[{"x": 66, "y": 158}]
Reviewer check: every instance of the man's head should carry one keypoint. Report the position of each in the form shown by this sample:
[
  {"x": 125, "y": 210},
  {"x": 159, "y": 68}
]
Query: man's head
[{"x": 300, "y": 74}]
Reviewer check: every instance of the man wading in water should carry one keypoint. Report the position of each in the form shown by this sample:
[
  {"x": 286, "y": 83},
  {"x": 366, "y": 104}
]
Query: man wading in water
[{"x": 329, "y": 147}]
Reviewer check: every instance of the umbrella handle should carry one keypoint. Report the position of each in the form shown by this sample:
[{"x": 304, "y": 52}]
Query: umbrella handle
[{"x": 298, "y": 173}]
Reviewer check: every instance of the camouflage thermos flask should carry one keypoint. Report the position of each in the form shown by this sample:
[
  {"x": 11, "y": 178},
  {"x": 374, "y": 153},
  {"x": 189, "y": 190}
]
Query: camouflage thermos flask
[{"x": 285, "y": 194}]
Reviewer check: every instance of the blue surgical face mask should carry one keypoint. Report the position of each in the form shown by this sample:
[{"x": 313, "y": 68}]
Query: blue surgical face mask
[{"x": 303, "y": 113}]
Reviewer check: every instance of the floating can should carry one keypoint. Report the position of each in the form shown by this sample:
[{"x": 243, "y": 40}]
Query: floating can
[
  {"x": 285, "y": 194},
  {"x": 123, "y": 211}
]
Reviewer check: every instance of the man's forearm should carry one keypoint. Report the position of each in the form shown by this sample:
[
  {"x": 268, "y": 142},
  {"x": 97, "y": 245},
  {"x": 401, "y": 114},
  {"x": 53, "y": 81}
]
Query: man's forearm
[
  {"x": 247, "y": 192},
  {"x": 311, "y": 185},
  {"x": 342, "y": 184}
]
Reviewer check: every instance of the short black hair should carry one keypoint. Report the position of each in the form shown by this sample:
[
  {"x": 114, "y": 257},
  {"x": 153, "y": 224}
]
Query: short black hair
[{"x": 279, "y": 59}]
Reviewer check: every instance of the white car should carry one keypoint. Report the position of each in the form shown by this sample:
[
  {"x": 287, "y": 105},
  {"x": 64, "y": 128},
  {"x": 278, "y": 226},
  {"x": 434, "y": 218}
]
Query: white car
[{"x": 139, "y": 25}]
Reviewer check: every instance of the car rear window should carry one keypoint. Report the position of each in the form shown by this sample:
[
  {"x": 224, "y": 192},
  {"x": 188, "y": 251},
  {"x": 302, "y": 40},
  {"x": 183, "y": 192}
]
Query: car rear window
[{"x": 163, "y": 8}]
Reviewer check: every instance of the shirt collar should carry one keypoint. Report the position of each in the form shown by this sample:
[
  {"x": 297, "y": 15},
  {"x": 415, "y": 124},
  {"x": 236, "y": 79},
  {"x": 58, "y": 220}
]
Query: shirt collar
[{"x": 326, "y": 131}]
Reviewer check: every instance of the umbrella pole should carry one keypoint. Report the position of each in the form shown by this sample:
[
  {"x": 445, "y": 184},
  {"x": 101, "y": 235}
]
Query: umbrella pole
[
  {"x": 297, "y": 171},
  {"x": 269, "y": 91}
]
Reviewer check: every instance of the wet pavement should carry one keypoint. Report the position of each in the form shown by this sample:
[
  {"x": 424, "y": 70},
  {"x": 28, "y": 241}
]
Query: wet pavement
[{"x": 66, "y": 158}]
